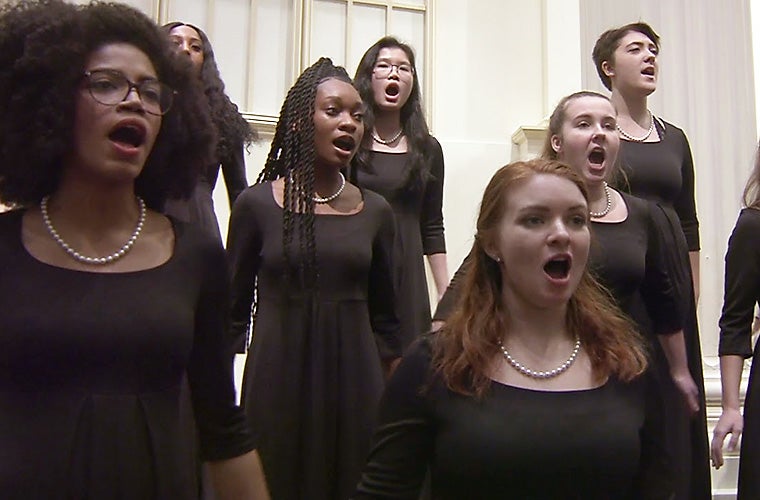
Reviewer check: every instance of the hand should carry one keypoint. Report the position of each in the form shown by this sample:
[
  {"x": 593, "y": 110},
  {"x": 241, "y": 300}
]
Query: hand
[
  {"x": 689, "y": 391},
  {"x": 730, "y": 422}
]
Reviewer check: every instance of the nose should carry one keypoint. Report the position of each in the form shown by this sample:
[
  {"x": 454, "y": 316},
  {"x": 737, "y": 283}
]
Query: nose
[
  {"x": 599, "y": 132},
  {"x": 558, "y": 233},
  {"x": 347, "y": 123},
  {"x": 133, "y": 100}
]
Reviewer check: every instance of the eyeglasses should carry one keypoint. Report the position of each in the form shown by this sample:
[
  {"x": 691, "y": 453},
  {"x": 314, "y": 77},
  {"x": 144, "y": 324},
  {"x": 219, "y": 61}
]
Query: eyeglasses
[
  {"x": 383, "y": 68},
  {"x": 110, "y": 87}
]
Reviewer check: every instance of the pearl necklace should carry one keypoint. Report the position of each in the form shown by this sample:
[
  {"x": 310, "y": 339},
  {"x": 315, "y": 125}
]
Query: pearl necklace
[
  {"x": 93, "y": 260},
  {"x": 537, "y": 374},
  {"x": 599, "y": 215},
  {"x": 643, "y": 138},
  {"x": 393, "y": 139},
  {"x": 328, "y": 199}
]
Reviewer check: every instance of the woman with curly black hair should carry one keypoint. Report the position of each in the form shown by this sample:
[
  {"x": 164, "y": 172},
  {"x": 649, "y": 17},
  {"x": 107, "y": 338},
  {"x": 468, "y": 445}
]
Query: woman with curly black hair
[
  {"x": 311, "y": 255},
  {"x": 108, "y": 304},
  {"x": 401, "y": 160},
  {"x": 233, "y": 132}
]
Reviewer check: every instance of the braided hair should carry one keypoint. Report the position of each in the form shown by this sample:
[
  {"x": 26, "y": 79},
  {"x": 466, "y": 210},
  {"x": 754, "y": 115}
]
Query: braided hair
[{"x": 292, "y": 157}]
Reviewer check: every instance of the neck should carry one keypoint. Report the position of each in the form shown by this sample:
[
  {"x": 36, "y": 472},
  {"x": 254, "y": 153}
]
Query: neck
[
  {"x": 94, "y": 208},
  {"x": 631, "y": 107},
  {"x": 537, "y": 327},
  {"x": 597, "y": 196},
  {"x": 387, "y": 123},
  {"x": 326, "y": 181}
]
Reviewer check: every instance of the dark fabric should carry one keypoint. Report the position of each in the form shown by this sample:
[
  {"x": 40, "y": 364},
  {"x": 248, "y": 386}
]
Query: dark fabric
[
  {"x": 741, "y": 293},
  {"x": 92, "y": 368},
  {"x": 419, "y": 229},
  {"x": 664, "y": 173},
  {"x": 600, "y": 443},
  {"x": 313, "y": 376},
  {"x": 199, "y": 208}
]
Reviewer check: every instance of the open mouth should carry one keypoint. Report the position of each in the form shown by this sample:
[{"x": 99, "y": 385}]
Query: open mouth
[
  {"x": 392, "y": 89},
  {"x": 648, "y": 71},
  {"x": 345, "y": 143},
  {"x": 558, "y": 268},
  {"x": 596, "y": 157},
  {"x": 131, "y": 135}
]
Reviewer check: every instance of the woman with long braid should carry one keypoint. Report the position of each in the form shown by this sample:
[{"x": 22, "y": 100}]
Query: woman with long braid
[
  {"x": 233, "y": 132},
  {"x": 311, "y": 257}
]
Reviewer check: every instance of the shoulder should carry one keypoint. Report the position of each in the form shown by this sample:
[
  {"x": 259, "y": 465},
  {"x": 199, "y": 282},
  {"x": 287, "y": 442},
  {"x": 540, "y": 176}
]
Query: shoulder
[
  {"x": 257, "y": 195},
  {"x": 748, "y": 222},
  {"x": 433, "y": 146}
]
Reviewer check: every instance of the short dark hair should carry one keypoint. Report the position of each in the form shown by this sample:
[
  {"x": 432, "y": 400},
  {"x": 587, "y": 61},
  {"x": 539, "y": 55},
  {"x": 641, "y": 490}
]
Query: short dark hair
[
  {"x": 44, "y": 46},
  {"x": 608, "y": 42}
]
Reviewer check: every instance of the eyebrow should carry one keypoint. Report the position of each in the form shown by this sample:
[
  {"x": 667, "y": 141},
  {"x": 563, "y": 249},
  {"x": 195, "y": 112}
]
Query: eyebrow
[
  {"x": 389, "y": 60},
  {"x": 544, "y": 208}
]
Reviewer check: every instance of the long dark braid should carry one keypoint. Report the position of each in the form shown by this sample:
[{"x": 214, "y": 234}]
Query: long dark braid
[{"x": 292, "y": 157}]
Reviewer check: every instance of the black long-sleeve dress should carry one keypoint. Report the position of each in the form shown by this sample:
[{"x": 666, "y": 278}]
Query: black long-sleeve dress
[
  {"x": 199, "y": 208},
  {"x": 419, "y": 228},
  {"x": 664, "y": 173},
  {"x": 600, "y": 443},
  {"x": 741, "y": 293},
  {"x": 92, "y": 367},
  {"x": 313, "y": 376}
]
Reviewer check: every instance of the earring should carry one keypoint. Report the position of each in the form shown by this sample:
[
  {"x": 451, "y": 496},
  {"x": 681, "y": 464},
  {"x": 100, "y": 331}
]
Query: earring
[{"x": 497, "y": 259}]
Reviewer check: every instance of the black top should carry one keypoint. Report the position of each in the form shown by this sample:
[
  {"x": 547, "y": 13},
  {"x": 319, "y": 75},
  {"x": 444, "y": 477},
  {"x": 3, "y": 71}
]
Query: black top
[
  {"x": 742, "y": 285},
  {"x": 419, "y": 228},
  {"x": 515, "y": 442},
  {"x": 313, "y": 376},
  {"x": 663, "y": 171},
  {"x": 92, "y": 365}
]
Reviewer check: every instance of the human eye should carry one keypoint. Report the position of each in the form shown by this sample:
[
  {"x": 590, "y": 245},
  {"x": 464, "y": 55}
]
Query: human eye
[
  {"x": 104, "y": 82},
  {"x": 382, "y": 65},
  {"x": 610, "y": 125},
  {"x": 197, "y": 48},
  {"x": 332, "y": 110},
  {"x": 532, "y": 220},
  {"x": 582, "y": 124},
  {"x": 358, "y": 116},
  {"x": 405, "y": 68},
  {"x": 578, "y": 220},
  {"x": 150, "y": 91}
]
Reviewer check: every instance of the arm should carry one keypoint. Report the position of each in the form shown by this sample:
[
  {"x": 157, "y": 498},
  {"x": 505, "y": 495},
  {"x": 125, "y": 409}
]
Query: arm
[
  {"x": 431, "y": 220},
  {"x": 239, "y": 478},
  {"x": 440, "y": 271},
  {"x": 664, "y": 309},
  {"x": 741, "y": 290},
  {"x": 381, "y": 290},
  {"x": 694, "y": 263},
  {"x": 223, "y": 434},
  {"x": 451, "y": 296},
  {"x": 244, "y": 242},
  {"x": 686, "y": 208},
  {"x": 730, "y": 421},
  {"x": 402, "y": 445},
  {"x": 233, "y": 170}
]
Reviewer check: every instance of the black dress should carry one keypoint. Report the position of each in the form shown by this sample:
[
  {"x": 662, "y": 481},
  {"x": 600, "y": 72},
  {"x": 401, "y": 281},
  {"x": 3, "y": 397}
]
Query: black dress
[
  {"x": 742, "y": 291},
  {"x": 313, "y": 376},
  {"x": 664, "y": 173},
  {"x": 419, "y": 229},
  {"x": 601, "y": 443},
  {"x": 92, "y": 365},
  {"x": 199, "y": 208}
]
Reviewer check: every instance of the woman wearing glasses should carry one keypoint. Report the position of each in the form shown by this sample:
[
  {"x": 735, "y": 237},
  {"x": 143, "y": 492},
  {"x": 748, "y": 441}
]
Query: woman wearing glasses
[
  {"x": 233, "y": 132},
  {"x": 107, "y": 304},
  {"x": 400, "y": 160}
]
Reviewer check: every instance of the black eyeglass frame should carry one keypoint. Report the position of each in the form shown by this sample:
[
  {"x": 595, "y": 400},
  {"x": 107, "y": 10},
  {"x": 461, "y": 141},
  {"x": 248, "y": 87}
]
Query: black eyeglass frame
[{"x": 130, "y": 86}]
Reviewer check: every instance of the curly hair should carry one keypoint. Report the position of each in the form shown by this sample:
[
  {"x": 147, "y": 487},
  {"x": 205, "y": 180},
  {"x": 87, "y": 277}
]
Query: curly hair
[
  {"x": 232, "y": 129},
  {"x": 292, "y": 157},
  {"x": 44, "y": 47},
  {"x": 412, "y": 117},
  {"x": 464, "y": 348},
  {"x": 608, "y": 42}
]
